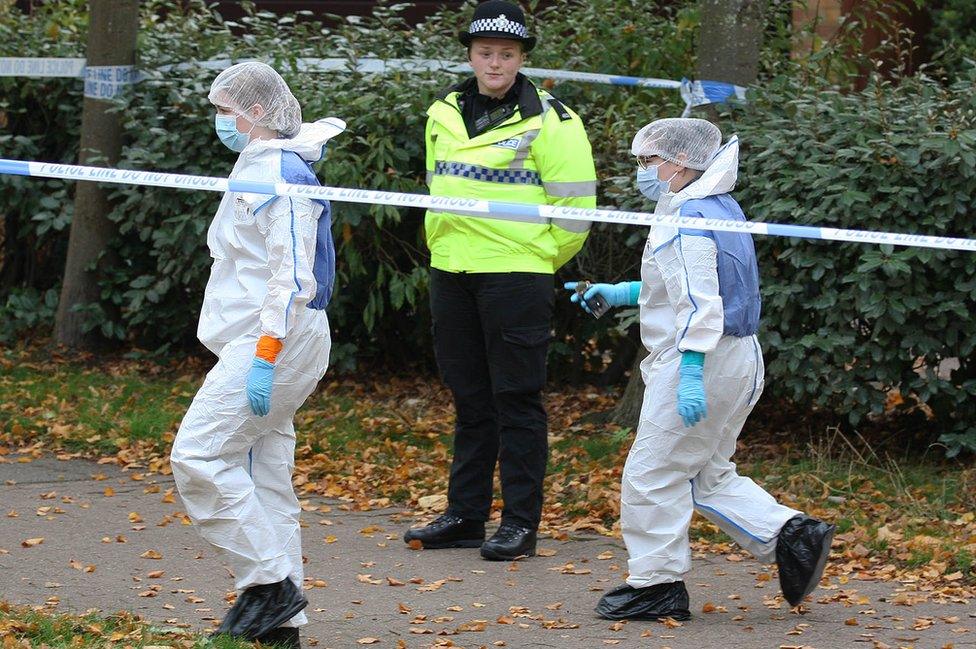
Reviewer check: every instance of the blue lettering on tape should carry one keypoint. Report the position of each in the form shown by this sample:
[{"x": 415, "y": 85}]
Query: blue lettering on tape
[{"x": 108, "y": 81}]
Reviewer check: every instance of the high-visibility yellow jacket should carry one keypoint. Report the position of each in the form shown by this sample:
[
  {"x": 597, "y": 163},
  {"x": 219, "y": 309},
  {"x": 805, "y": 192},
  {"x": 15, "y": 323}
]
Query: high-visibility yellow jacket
[{"x": 539, "y": 155}]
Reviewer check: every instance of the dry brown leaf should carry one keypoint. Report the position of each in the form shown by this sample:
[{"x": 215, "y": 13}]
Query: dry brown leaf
[
  {"x": 473, "y": 626},
  {"x": 415, "y": 544},
  {"x": 546, "y": 552},
  {"x": 395, "y": 582},
  {"x": 29, "y": 543},
  {"x": 109, "y": 492},
  {"x": 151, "y": 554},
  {"x": 134, "y": 517},
  {"x": 331, "y": 538},
  {"x": 708, "y": 607},
  {"x": 155, "y": 574},
  {"x": 367, "y": 641}
]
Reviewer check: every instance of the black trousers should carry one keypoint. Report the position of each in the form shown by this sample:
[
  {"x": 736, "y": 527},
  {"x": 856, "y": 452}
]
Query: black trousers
[{"x": 491, "y": 336}]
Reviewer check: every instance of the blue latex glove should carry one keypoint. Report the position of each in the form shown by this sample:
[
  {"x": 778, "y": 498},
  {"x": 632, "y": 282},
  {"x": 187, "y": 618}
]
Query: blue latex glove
[
  {"x": 259, "y": 382},
  {"x": 691, "y": 388},
  {"x": 620, "y": 294}
]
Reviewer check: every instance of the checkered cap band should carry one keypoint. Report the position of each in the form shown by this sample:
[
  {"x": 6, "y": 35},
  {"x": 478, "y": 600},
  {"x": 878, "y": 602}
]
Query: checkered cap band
[
  {"x": 499, "y": 24},
  {"x": 487, "y": 174}
]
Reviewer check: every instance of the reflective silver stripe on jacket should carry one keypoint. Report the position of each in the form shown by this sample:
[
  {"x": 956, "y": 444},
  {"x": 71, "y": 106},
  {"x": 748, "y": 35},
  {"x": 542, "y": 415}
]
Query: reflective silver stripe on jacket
[
  {"x": 569, "y": 189},
  {"x": 572, "y": 225},
  {"x": 522, "y": 152}
]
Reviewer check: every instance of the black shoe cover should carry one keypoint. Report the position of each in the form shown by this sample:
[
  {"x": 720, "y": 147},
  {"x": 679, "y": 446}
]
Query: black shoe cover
[
  {"x": 802, "y": 548},
  {"x": 284, "y": 637},
  {"x": 652, "y": 603},
  {"x": 261, "y": 609}
]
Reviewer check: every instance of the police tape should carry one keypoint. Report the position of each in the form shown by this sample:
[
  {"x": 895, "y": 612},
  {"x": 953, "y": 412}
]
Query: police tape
[
  {"x": 370, "y": 65},
  {"x": 472, "y": 207},
  {"x": 695, "y": 93},
  {"x": 108, "y": 81}
]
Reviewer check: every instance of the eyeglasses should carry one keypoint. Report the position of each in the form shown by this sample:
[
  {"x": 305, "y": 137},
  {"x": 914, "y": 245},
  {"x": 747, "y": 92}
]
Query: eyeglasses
[{"x": 644, "y": 161}]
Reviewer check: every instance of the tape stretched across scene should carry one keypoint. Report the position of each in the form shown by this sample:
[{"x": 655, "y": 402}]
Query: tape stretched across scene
[
  {"x": 694, "y": 93},
  {"x": 472, "y": 207}
]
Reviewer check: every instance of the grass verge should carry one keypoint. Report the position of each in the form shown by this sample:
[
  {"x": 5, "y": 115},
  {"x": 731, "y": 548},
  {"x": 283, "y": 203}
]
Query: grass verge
[{"x": 24, "y": 627}]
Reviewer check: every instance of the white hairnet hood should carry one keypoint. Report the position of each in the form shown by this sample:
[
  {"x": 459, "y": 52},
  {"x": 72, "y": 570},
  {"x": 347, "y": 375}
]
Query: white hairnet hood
[{"x": 718, "y": 178}]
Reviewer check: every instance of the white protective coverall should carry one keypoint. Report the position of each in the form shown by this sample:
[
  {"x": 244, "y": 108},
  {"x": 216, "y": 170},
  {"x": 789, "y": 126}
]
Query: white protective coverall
[
  {"x": 671, "y": 469},
  {"x": 272, "y": 274}
]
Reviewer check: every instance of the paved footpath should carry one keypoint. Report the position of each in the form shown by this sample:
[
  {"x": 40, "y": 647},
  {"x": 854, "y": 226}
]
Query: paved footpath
[{"x": 131, "y": 551}]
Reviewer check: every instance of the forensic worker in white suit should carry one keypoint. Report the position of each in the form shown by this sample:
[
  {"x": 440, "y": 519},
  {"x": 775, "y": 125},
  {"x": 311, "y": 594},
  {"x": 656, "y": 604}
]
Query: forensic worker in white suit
[
  {"x": 264, "y": 317},
  {"x": 699, "y": 313}
]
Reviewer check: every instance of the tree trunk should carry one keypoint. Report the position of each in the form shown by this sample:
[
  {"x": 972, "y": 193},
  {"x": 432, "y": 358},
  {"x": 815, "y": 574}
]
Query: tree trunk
[
  {"x": 627, "y": 412},
  {"x": 112, "y": 31},
  {"x": 728, "y": 50},
  {"x": 730, "y": 39}
]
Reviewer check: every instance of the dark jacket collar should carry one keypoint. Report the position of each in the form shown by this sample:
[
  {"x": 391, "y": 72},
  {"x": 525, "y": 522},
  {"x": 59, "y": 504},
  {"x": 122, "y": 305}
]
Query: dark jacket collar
[{"x": 526, "y": 94}]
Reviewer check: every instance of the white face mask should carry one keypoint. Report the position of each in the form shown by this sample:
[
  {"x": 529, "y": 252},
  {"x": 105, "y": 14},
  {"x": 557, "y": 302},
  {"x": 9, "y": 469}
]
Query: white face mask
[{"x": 650, "y": 185}]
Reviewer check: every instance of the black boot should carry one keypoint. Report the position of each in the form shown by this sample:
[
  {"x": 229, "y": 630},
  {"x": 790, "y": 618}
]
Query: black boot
[
  {"x": 802, "y": 548},
  {"x": 284, "y": 637},
  {"x": 448, "y": 531},
  {"x": 651, "y": 603},
  {"x": 509, "y": 542},
  {"x": 260, "y": 609}
]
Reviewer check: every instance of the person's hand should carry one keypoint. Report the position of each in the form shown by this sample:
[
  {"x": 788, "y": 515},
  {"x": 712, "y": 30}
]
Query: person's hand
[
  {"x": 691, "y": 388},
  {"x": 259, "y": 383},
  {"x": 612, "y": 294}
]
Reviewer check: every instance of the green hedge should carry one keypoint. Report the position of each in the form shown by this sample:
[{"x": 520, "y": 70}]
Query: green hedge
[
  {"x": 381, "y": 296},
  {"x": 844, "y": 324}
]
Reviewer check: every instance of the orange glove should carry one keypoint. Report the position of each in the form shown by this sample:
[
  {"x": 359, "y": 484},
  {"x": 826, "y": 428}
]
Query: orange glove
[{"x": 268, "y": 348}]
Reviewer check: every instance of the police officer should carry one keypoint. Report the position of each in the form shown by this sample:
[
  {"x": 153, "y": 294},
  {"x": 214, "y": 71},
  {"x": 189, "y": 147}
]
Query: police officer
[{"x": 497, "y": 137}]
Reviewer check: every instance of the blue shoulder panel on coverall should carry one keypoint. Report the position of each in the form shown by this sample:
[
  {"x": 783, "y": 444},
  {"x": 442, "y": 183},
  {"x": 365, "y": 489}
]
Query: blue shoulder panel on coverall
[
  {"x": 738, "y": 271},
  {"x": 297, "y": 171}
]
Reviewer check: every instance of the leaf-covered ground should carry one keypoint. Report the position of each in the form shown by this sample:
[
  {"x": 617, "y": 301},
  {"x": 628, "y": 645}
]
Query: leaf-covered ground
[
  {"x": 384, "y": 441},
  {"x": 22, "y": 627}
]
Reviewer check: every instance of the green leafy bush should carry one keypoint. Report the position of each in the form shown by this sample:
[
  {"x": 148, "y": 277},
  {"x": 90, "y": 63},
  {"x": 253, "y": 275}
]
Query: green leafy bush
[
  {"x": 846, "y": 324},
  {"x": 381, "y": 296}
]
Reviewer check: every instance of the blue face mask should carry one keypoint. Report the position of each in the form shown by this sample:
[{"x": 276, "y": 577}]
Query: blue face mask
[
  {"x": 226, "y": 126},
  {"x": 650, "y": 185}
]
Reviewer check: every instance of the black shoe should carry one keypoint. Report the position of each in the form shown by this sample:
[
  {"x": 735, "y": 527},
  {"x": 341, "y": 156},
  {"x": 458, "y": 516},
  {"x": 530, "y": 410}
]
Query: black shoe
[
  {"x": 261, "y": 609},
  {"x": 448, "y": 531},
  {"x": 509, "y": 542},
  {"x": 284, "y": 637},
  {"x": 651, "y": 603},
  {"x": 802, "y": 548}
]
